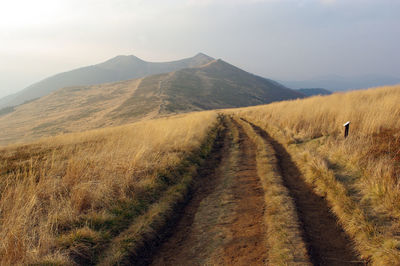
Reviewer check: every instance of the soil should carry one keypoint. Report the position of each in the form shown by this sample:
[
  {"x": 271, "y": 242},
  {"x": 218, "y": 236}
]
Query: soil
[{"x": 223, "y": 222}]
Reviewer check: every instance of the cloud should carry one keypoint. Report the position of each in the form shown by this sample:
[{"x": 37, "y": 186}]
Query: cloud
[
  {"x": 228, "y": 2},
  {"x": 327, "y": 2}
]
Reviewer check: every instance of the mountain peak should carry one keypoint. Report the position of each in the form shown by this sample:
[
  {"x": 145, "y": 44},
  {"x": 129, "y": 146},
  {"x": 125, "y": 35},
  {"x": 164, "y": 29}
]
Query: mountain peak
[
  {"x": 122, "y": 59},
  {"x": 203, "y": 56}
]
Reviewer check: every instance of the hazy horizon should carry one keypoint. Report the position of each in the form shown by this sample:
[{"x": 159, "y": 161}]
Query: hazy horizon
[{"x": 283, "y": 40}]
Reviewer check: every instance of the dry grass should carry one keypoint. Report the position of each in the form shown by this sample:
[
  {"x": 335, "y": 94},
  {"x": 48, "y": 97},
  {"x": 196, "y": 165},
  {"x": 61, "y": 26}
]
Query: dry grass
[
  {"x": 285, "y": 243},
  {"x": 359, "y": 175},
  {"x": 62, "y": 199},
  {"x": 77, "y": 109}
]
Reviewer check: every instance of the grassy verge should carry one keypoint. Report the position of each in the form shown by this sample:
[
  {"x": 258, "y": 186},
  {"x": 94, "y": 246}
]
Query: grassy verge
[
  {"x": 285, "y": 243},
  {"x": 372, "y": 239}
]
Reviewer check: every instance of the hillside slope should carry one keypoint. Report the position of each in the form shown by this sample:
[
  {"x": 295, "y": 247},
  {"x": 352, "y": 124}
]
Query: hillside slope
[
  {"x": 214, "y": 85},
  {"x": 116, "y": 69}
]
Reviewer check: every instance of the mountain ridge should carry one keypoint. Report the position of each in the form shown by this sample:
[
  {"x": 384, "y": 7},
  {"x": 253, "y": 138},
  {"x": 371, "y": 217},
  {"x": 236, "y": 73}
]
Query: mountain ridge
[
  {"x": 215, "y": 85},
  {"x": 122, "y": 67}
]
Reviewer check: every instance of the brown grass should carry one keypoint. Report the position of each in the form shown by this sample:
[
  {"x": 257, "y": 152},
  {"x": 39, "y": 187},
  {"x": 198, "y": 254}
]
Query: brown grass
[
  {"x": 358, "y": 175},
  {"x": 62, "y": 199}
]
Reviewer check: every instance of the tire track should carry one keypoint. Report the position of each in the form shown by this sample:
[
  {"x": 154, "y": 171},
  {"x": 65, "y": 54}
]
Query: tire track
[
  {"x": 223, "y": 222},
  {"x": 327, "y": 242}
]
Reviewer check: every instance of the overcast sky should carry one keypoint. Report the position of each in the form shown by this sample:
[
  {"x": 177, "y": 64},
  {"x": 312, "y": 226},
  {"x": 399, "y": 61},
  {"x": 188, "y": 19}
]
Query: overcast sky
[{"x": 287, "y": 39}]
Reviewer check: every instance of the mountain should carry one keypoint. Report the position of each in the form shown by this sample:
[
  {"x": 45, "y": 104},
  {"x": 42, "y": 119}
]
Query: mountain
[
  {"x": 116, "y": 69},
  {"x": 216, "y": 84},
  {"x": 314, "y": 91},
  {"x": 339, "y": 83},
  {"x": 221, "y": 85},
  {"x": 5, "y": 100}
]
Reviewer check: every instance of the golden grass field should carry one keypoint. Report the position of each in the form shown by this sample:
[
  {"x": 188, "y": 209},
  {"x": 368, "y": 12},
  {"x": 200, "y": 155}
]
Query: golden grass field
[
  {"x": 67, "y": 199},
  {"x": 63, "y": 197},
  {"x": 360, "y": 175}
]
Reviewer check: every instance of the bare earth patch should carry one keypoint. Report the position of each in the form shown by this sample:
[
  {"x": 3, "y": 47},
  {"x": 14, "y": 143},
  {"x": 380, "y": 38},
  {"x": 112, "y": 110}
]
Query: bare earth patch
[{"x": 223, "y": 223}]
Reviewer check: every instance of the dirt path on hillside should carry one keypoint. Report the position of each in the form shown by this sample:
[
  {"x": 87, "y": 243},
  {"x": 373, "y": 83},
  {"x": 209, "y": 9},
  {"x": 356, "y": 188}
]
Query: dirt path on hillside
[
  {"x": 327, "y": 242},
  {"x": 223, "y": 222}
]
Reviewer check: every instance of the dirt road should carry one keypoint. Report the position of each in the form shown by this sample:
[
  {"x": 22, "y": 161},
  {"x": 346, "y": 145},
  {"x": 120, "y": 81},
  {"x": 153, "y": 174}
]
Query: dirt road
[{"x": 223, "y": 222}]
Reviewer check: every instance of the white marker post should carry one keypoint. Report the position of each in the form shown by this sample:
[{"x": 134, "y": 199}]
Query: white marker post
[{"x": 346, "y": 129}]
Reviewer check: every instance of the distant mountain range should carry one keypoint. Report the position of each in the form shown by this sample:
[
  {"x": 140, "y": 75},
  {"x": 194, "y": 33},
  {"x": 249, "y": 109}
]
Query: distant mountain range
[
  {"x": 212, "y": 84},
  {"x": 116, "y": 69},
  {"x": 314, "y": 91},
  {"x": 339, "y": 83}
]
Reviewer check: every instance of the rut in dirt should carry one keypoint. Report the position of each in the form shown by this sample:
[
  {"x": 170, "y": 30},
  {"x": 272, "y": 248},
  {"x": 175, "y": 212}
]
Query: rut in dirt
[
  {"x": 326, "y": 241},
  {"x": 223, "y": 222}
]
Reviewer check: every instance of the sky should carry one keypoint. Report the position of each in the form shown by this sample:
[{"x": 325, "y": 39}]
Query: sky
[{"x": 277, "y": 39}]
